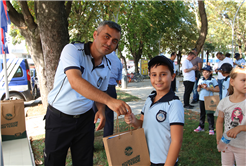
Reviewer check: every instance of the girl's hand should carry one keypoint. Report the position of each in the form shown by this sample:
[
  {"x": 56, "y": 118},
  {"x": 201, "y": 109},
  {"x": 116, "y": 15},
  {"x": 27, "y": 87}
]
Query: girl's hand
[
  {"x": 233, "y": 132},
  {"x": 130, "y": 118}
]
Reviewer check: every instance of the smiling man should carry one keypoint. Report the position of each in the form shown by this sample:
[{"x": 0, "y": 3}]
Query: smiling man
[{"x": 81, "y": 77}]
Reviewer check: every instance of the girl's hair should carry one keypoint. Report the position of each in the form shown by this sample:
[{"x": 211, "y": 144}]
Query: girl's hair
[{"x": 233, "y": 75}]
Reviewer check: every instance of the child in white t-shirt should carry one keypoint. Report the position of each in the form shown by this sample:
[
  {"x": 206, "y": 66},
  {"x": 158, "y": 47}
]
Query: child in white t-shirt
[
  {"x": 225, "y": 70},
  {"x": 206, "y": 86},
  {"x": 232, "y": 114}
]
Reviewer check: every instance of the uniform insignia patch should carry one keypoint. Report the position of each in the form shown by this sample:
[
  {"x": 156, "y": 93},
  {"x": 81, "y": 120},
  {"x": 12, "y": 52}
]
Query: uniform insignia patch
[
  {"x": 161, "y": 116},
  {"x": 99, "y": 81}
]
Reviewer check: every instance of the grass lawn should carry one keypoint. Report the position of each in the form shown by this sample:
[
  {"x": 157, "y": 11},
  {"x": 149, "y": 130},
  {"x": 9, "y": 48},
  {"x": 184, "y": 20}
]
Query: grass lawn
[{"x": 198, "y": 149}]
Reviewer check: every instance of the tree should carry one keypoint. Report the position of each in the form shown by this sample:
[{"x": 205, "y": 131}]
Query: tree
[
  {"x": 204, "y": 27},
  {"x": 183, "y": 36},
  {"x": 143, "y": 24},
  {"x": 208, "y": 47},
  {"x": 46, "y": 33},
  {"x": 220, "y": 15}
]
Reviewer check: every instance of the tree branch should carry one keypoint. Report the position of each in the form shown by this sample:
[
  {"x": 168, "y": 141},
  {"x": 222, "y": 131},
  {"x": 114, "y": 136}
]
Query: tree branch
[
  {"x": 16, "y": 18},
  {"x": 28, "y": 18}
]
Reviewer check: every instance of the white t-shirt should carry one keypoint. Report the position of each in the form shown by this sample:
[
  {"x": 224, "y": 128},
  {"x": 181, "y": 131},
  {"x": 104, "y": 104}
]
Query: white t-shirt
[
  {"x": 226, "y": 60},
  {"x": 225, "y": 87},
  {"x": 190, "y": 76},
  {"x": 234, "y": 115}
]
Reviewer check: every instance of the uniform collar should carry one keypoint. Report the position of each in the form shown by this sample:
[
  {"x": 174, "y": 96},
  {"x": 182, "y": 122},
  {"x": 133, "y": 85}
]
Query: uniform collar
[
  {"x": 227, "y": 78},
  {"x": 87, "y": 52},
  {"x": 166, "y": 98},
  {"x": 87, "y": 48},
  {"x": 209, "y": 78}
]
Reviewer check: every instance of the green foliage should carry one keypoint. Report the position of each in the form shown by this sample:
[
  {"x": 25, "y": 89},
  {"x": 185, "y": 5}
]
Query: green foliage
[
  {"x": 220, "y": 27},
  {"x": 15, "y": 31},
  {"x": 15, "y": 34},
  {"x": 145, "y": 22},
  {"x": 184, "y": 34}
]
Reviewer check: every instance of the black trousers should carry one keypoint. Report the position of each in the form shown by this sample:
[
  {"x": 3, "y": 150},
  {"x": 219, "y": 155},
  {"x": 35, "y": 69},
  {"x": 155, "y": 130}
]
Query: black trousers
[
  {"x": 173, "y": 84},
  {"x": 188, "y": 89},
  {"x": 62, "y": 132},
  {"x": 109, "y": 124},
  {"x": 109, "y": 114},
  {"x": 210, "y": 117}
]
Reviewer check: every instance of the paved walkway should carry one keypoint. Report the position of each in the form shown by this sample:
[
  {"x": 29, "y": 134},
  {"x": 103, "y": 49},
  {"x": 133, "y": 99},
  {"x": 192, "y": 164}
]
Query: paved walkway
[{"x": 35, "y": 125}]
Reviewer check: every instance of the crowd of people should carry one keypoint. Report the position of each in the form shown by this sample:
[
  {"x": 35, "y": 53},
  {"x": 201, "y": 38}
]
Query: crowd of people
[
  {"x": 84, "y": 87},
  {"x": 231, "y": 110}
]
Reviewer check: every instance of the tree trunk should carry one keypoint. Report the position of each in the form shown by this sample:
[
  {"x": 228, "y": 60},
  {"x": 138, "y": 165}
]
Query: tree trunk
[
  {"x": 207, "y": 56},
  {"x": 124, "y": 59},
  {"x": 53, "y": 27},
  {"x": 204, "y": 27},
  {"x": 179, "y": 59},
  {"x": 45, "y": 39}
]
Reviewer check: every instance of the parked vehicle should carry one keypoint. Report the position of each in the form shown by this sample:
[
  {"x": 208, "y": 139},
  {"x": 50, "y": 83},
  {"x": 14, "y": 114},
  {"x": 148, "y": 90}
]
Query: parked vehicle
[
  {"x": 19, "y": 79},
  {"x": 35, "y": 85}
]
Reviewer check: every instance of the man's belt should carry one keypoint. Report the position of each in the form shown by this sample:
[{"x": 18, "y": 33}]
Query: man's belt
[{"x": 56, "y": 111}]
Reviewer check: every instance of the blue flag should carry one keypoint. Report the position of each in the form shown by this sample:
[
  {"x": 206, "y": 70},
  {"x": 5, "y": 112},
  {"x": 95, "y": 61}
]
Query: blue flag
[
  {"x": 5, "y": 20},
  {"x": 4, "y": 16}
]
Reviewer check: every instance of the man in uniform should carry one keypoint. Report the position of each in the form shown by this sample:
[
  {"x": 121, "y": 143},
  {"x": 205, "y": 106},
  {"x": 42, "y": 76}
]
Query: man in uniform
[{"x": 81, "y": 77}]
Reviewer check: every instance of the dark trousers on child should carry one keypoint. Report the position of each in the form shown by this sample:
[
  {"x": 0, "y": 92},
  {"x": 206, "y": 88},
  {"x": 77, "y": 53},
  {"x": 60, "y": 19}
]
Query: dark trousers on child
[{"x": 210, "y": 117}]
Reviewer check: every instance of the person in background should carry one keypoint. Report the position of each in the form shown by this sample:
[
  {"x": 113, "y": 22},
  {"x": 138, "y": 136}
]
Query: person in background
[
  {"x": 188, "y": 78},
  {"x": 172, "y": 58},
  {"x": 225, "y": 69},
  {"x": 162, "y": 116},
  {"x": 228, "y": 55},
  {"x": 196, "y": 62},
  {"x": 115, "y": 77},
  {"x": 239, "y": 61},
  {"x": 206, "y": 86},
  {"x": 82, "y": 77},
  {"x": 232, "y": 118},
  {"x": 220, "y": 78}
]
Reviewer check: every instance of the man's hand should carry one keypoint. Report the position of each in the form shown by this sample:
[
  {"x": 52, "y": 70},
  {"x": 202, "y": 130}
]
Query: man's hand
[
  {"x": 194, "y": 67},
  {"x": 119, "y": 106},
  {"x": 100, "y": 115}
]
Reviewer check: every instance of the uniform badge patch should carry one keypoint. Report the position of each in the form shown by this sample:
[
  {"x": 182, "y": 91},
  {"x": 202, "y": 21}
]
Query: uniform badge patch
[
  {"x": 161, "y": 116},
  {"x": 99, "y": 81}
]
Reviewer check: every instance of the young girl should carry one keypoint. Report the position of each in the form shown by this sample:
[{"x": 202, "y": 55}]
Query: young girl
[
  {"x": 232, "y": 112},
  {"x": 206, "y": 86}
]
